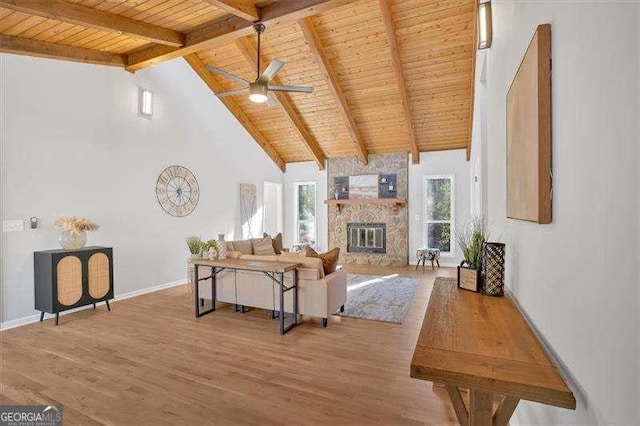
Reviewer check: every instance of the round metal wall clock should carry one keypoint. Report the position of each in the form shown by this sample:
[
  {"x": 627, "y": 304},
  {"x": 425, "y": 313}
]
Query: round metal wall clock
[{"x": 177, "y": 191}]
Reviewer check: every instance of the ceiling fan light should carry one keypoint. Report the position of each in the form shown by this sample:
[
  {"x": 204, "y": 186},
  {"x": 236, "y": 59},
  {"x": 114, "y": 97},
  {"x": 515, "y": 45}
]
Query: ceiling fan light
[{"x": 258, "y": 93}]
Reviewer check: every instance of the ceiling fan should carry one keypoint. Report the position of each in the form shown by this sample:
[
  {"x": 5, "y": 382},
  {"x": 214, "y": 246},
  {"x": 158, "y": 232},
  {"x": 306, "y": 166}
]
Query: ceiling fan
[{"x": 258, "y": 90}]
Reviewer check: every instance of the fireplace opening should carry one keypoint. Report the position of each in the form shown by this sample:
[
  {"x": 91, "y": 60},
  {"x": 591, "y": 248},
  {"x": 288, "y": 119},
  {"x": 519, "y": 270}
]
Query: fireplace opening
[{"x": 366, "y": 238}]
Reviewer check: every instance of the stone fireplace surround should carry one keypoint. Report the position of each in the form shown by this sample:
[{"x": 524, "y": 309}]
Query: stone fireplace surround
[{"x": 396, "y": 223}]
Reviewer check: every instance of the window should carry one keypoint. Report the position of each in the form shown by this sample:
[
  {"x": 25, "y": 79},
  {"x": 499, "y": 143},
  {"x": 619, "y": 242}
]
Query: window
[
  {"x": 439, "y": 213},
  {"x": 305, "y": 212}
]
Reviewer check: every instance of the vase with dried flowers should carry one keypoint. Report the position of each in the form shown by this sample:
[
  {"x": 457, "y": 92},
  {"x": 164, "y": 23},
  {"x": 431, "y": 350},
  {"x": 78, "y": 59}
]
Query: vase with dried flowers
[{"x": 74, "y": 231}]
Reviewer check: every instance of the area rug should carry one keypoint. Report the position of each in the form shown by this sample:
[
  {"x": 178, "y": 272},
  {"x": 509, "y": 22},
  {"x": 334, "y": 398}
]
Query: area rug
[{"x": 379, "y": 298}]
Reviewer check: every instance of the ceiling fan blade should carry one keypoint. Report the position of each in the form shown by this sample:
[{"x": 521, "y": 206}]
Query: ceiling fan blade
[
  {"x": 232, "y": 92},
  {"x": 299, "y": 89},
  {"x": 271, "y": 99},
  {"x": 271, "y": 71},
  {"x": 226, "y": 74}
]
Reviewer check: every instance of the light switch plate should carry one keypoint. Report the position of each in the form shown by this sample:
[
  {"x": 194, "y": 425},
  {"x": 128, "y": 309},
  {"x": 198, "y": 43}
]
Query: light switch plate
[
  {"x": 12, "y": 225},
  {"x": 417, "y": 218}
]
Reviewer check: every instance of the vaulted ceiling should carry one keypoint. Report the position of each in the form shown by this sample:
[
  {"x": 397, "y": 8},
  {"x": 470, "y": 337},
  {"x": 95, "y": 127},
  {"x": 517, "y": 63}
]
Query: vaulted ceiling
[{"x": 389, "y": 75}]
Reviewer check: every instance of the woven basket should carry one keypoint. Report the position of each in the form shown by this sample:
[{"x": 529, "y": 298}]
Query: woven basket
[{"x": 493, "y": 269}]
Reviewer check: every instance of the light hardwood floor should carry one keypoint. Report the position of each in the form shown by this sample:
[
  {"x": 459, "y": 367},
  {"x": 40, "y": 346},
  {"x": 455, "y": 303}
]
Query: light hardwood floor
[{"x": 149, "y": 361}]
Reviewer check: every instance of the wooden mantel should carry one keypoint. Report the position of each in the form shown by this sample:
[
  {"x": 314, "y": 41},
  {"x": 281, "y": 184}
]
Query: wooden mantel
[{"x": 394, "y": 203}]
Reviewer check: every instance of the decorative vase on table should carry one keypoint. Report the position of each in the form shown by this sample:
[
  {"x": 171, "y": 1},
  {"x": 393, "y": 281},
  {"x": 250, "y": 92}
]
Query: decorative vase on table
[
  {"x": 72, "y": 240},
  {"x": 493, "y": 269},
  {"x": 222, "y": 247},
  {"x": 212, "y": 254}
]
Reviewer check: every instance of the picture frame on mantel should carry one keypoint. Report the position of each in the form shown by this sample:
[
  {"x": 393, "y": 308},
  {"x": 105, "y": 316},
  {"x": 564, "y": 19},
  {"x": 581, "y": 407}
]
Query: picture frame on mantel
[{"x": 529, "y": 190}]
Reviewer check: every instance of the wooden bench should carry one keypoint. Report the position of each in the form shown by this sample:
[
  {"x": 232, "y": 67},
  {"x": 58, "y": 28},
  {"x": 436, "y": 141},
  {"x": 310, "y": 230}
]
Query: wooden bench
[{"x": 483, "y": 343}]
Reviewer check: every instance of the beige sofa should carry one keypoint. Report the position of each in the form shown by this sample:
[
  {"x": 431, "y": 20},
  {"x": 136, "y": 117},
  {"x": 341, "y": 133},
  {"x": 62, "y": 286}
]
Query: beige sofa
[{"x": 318, "y": 295}]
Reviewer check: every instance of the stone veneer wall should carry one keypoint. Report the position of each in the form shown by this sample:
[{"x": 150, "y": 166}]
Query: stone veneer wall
[{"x": 397, "y": 223}]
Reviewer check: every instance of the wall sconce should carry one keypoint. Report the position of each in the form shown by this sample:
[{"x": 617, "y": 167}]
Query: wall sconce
[
  {"x": 485, "y": 29},
  {"x": 146, "y": 102}
]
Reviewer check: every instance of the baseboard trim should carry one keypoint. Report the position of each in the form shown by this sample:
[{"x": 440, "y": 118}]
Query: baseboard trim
[
  {"x": 6, "y": 325},
  {"x": 556, "y": 359}
]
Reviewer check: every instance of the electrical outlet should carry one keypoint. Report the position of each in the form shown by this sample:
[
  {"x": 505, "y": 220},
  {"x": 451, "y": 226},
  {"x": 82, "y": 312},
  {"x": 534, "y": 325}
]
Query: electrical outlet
[
  {"x": 417, "y": 218},
  {"x": 12, "y": 225}
]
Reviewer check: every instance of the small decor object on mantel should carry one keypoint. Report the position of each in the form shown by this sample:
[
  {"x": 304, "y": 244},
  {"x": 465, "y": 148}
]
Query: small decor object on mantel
[
  {"x": 471, "y": 240},
  {"x": 74, "y": 231},
  {"x": 195, "y": 247},
  {"x": 493, "y": 269}
]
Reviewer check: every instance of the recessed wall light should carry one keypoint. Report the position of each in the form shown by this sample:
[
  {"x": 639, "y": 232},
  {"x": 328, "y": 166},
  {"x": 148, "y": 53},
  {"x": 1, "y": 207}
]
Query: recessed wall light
[
  {"x": 485, "y": 29},
  {"x": 146, "y": 102}
]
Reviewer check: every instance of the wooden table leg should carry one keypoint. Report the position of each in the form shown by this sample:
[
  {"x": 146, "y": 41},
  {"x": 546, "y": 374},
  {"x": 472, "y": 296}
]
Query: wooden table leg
[
  {"x": 458, "y": 405},
  {"x": 505, "y": 410},
  {"x": 480, "y": 408}
]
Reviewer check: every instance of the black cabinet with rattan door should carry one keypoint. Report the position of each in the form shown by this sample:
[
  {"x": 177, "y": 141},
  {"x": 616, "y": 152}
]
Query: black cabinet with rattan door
[{"x": 67, "y": 279}]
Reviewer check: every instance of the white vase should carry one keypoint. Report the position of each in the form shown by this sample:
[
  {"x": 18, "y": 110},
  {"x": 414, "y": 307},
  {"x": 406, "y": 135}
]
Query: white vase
[
  {"x": 222, "y": 247},
  {"x": 212, "y": 254},
  {"x": 72, "y": 241}
]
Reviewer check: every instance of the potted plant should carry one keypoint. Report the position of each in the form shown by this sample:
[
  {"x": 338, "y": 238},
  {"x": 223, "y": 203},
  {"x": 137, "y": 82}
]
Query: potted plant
[
  {"x": 195, "y": 245},
  {"x": 210, "y": 249},
  {"x": 471, "y": 239}
]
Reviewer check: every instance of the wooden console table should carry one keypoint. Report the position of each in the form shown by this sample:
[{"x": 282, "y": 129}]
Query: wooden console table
[
  {"x": 274, "y": 270},
  {"x": 484, "y": 344}
]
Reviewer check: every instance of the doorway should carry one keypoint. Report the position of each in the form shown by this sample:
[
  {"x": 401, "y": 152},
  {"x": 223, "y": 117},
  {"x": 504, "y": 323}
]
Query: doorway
[{"x": 272, "y": 209}]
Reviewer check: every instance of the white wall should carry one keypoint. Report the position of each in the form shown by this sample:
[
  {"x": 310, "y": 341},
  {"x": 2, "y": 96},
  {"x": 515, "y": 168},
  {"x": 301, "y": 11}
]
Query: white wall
[
  {"x": 438, "y": 163},
  {"x": 577, "y": 278},
  {"x": 73, "y": 144},
  {"x": 305, "y": 172}
]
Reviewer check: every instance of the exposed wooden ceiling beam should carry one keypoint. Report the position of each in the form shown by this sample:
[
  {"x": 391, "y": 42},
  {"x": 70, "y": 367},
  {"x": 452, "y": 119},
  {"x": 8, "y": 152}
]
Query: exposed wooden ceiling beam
[
  {"x": 227, "y": 29},
  {"x": 237, "y": 112},
  {"x": 93, "y": 18},
  {"x": 244, "y": 9},
  {"x": 284, "y": 101},
  {"x": 315, "y": 45},
  {"x": 23, "y": 46},
  {"x": 473, "y": 77},
  {"x": 390, "y": 27}
]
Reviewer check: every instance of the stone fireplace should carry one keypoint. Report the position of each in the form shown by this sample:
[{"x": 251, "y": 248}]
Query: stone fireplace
[{"x": 370, "y": 233}]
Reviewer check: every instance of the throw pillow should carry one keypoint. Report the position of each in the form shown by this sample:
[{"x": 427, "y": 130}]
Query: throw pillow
[
  {"x": 329, "y": 259},
  {"x": 243, "y": 246},
  {"x": 263, "y": 246},
  {"x": 277, "y": 242}
]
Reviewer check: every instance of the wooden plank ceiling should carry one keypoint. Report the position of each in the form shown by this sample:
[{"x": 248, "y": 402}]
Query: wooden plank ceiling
[{"x": 389, "y": 75}]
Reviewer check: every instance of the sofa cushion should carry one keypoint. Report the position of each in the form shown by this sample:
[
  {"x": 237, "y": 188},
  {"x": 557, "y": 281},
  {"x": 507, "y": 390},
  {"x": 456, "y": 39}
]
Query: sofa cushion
[
  {"x": 262, "y": 246},
  {"x": 276, "y": 241},
  {"x": 243, "y": 246},
  {"x": 304, "y": 261},
  {"x": 311, "y": 274},
  {"x": 329, "y": 259}
]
